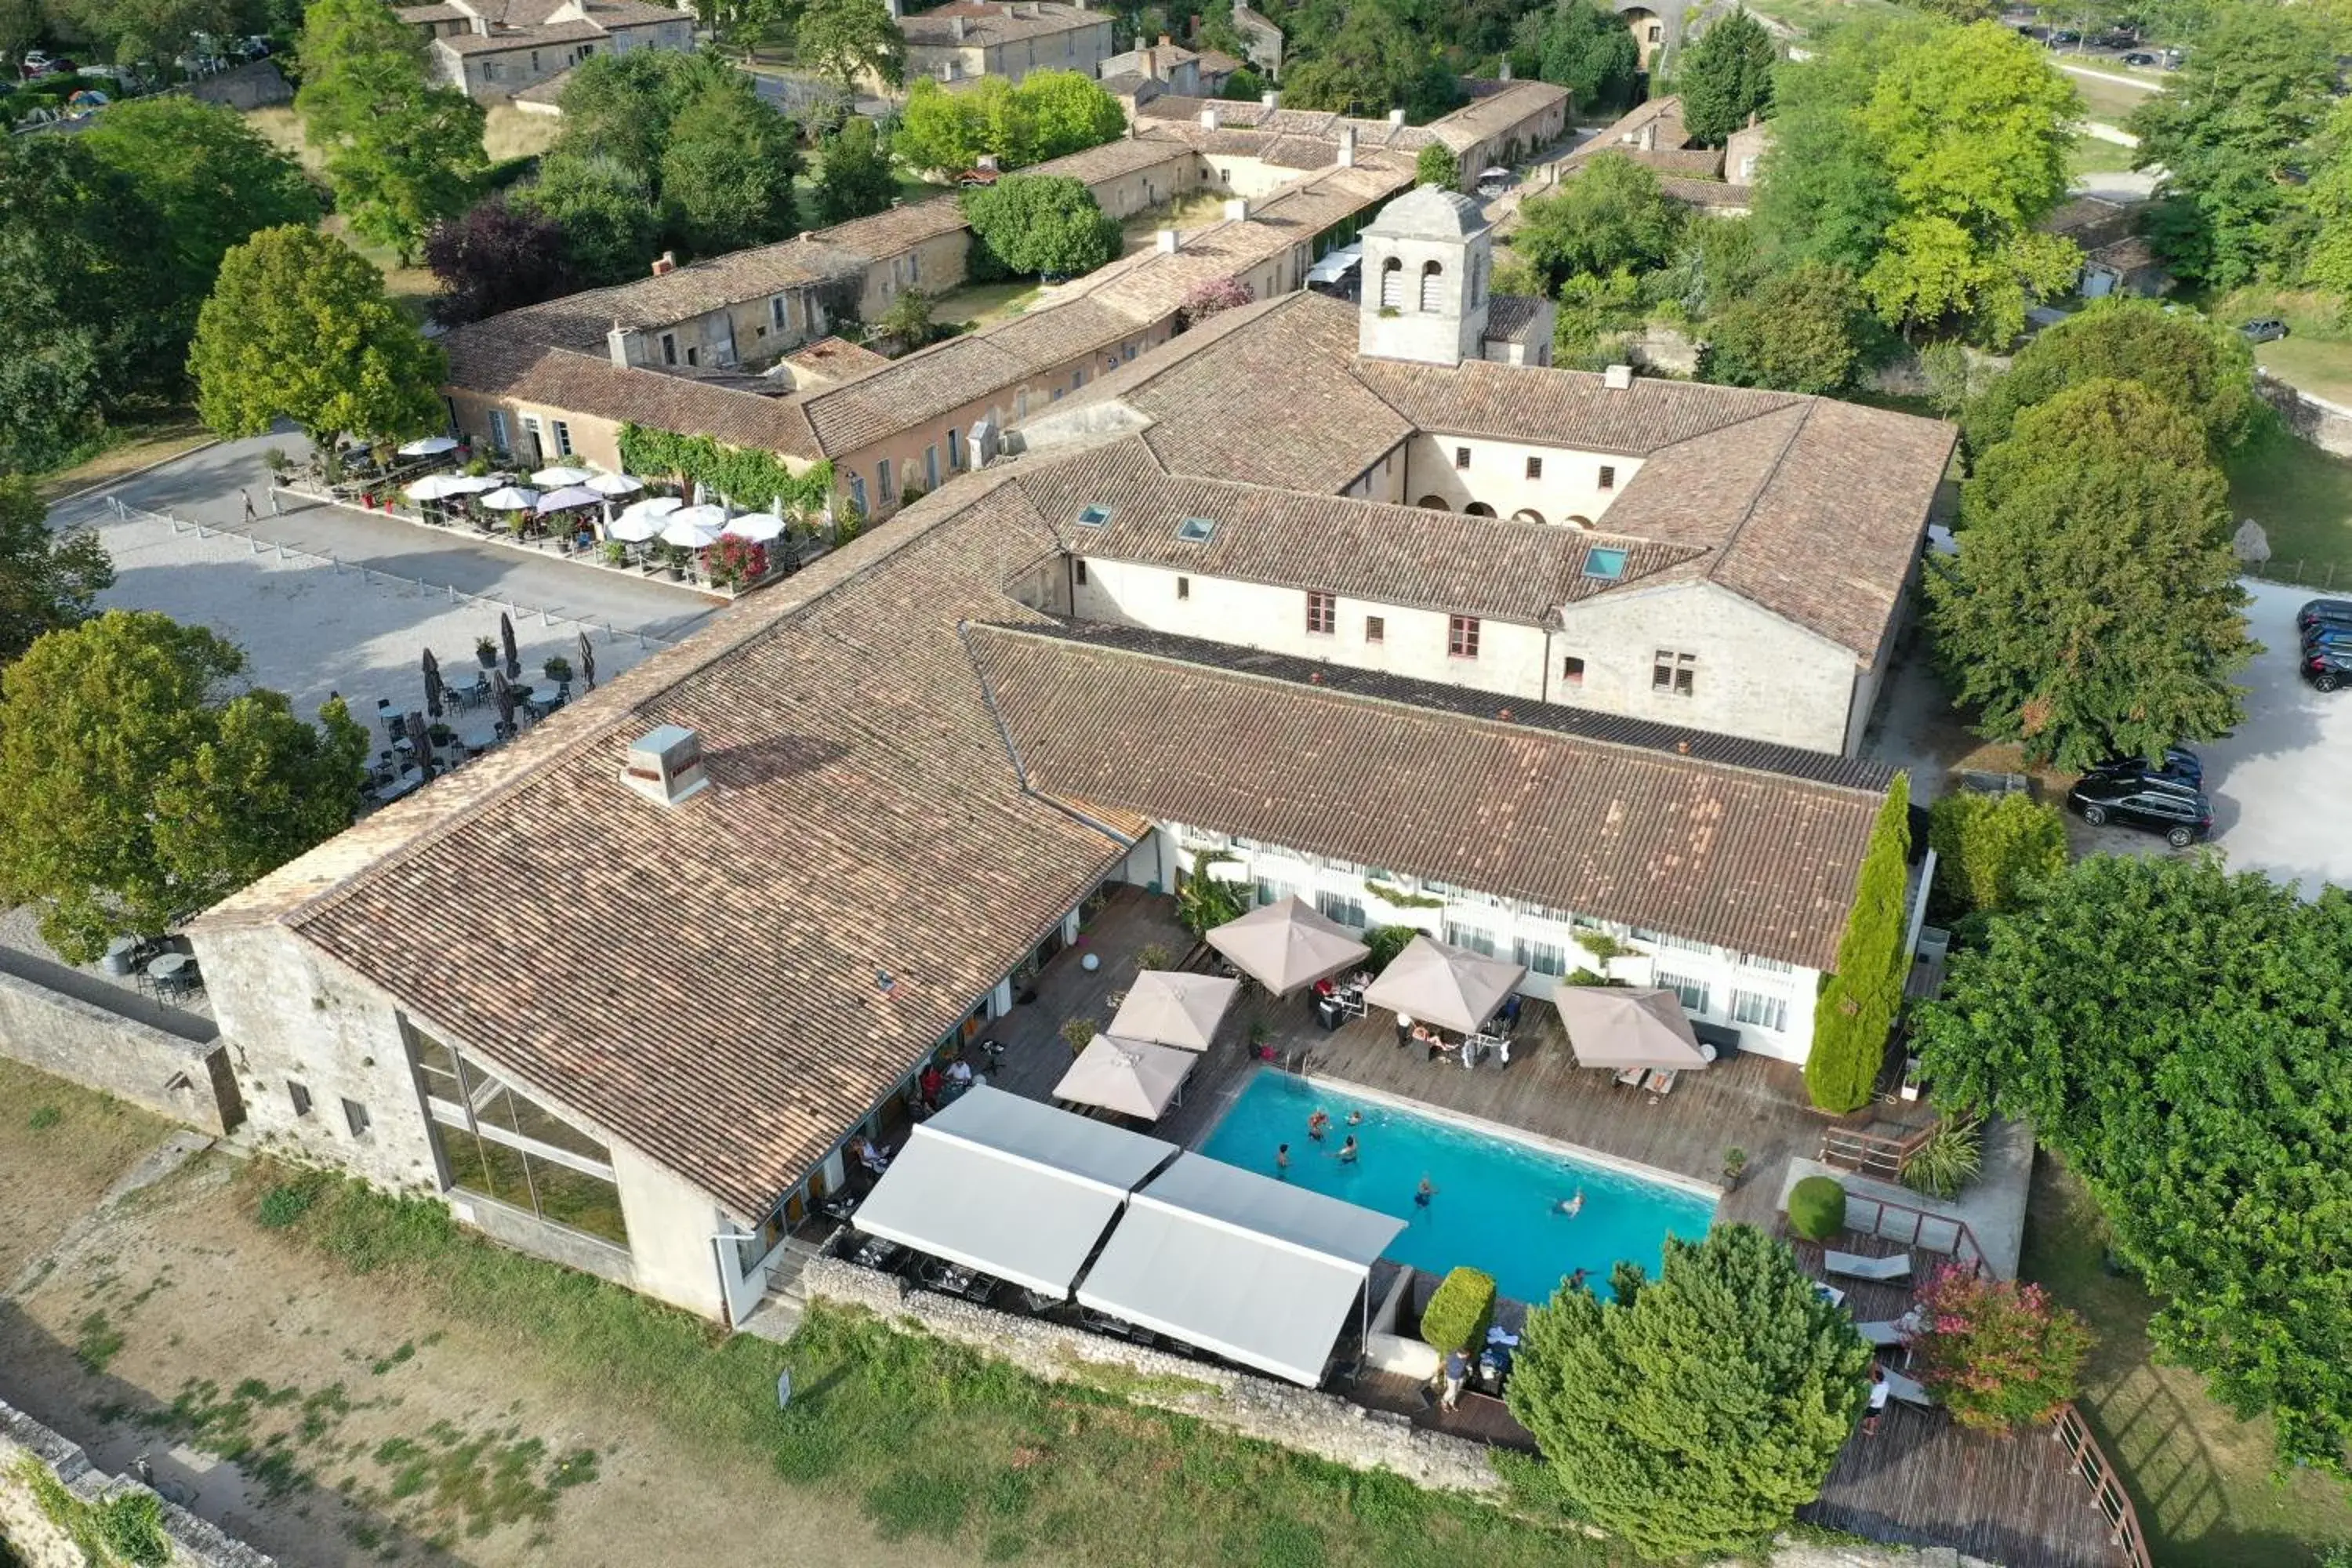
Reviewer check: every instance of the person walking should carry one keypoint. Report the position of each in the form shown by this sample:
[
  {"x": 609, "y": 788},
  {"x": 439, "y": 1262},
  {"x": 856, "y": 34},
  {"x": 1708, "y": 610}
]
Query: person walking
[
  {"x": 1879, "y": 1389},
  {"x": 1457, "y": 1367},
  {"x": 250, "y": 515}
]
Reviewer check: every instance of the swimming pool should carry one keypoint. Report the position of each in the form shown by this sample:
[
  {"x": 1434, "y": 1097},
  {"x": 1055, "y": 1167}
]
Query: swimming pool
[{"x": 1496, "y": 1202}]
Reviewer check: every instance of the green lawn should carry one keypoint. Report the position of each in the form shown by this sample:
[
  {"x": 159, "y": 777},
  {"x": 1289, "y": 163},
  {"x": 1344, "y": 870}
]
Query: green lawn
[
  {"x": 2302, "y": 498},
  {"x": 2092, "y": 156},
  {"x": 922, "y": 1437},
  {"x": 1809, "y": 15},
  {"x": 977, "y": 305},
  {"x": 2200, "y": 1478},
  {"x": 2106, "y": 101}
]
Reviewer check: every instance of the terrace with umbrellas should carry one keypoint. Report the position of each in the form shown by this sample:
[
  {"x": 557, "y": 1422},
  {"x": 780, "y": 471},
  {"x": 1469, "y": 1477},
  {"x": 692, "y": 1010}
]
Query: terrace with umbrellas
[{"x": 659, "y": 526}]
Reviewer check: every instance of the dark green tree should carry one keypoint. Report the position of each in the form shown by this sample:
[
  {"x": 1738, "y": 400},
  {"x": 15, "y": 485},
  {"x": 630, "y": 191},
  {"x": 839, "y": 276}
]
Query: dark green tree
[
  {"x": 2177, "y": 1035},
  {"x": 850, "y": 41},
  {"x": 1856, "y": 1010},
  {"x": 1375, "y": 61},
  {"x": 141, "y": 780},
  {"x": 48, "y": 581},
  {"x": 2204, "y": 370},
  {"x": 208, "y": 175},
  {"x": 1069, "y": 112},
  {"x": 1581, "y": 47},
  {"x": 2095, "y": 610},
  {"x": 1991, "y": 850},
  {"x": 1613, "y": 215},
  {"x": 1047, "y": 225},
  {"x": 1697, "y": 1419},
  {"x": 1824, "y": 191},
  {"x": 2226, "y": 130},
  {"x": 1799, "y": 330},
  {"x": 727, "y": 174},
  {"x": 401, "y": 153},
  {"x": 621, "y": 106},
  {"x": 611, "y": 224},
  {"x": 855, "y": 177},
  {"x": 1437, "y": 165},
  {"x": 1727, "y": 77}
]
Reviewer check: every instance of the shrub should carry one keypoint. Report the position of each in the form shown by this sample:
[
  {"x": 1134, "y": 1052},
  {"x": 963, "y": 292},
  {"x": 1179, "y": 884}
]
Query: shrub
[
  {"x": 1817, "y": 1208},
  {"x": 1858, "y": 1005},
  {"x": 1990, "y": 850},
  {"x": 1949, "y": 1160},
  {"x": 282, "y": 1204},
  {"x": 1204, "y": 903},
  {"x": 1999, "y": 1354},
  {"x": 1459, "y": 1311},
  {"x": 1386, "y": 942},
  {"x": 1079, "y": 1033}
]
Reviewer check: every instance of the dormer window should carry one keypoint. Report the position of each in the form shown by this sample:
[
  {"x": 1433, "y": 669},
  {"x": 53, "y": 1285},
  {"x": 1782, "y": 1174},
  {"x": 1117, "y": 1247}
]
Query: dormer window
[{"x": 1196, "y": 530}]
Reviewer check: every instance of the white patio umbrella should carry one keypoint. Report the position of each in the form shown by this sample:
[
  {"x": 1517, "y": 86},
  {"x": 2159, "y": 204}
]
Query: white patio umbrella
[
  {"x": 756, "y": 526},
  {"x": 567, "y": 498},
  {"x": 1629, "y": 1026},
  {"x": 1450, "y": 987},
  {"x": 642, "y": 520},
  {"x": 511, "y": 498},
  {"x": 429, "y": 446},
  {"x": 1288, "y": 945},
  {"x": 1171, "y": 1009},
  {"x": 556, "y": 477},
  {"x": 694, "y": 527},
  {"x": 615, "y": 484},
  {"x": 1134, "y": 1078},
  {"x": 441, "y": 487}
]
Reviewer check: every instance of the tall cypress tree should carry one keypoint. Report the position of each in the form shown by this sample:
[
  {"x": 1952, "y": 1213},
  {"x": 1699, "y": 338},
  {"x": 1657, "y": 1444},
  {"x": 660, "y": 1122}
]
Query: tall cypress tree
[{"x": 1857, "y": 1006}]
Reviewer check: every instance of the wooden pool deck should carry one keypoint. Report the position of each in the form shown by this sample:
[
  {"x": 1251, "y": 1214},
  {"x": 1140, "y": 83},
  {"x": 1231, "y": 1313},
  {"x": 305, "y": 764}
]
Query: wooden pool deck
[{"x": 1921, "y": 1480}]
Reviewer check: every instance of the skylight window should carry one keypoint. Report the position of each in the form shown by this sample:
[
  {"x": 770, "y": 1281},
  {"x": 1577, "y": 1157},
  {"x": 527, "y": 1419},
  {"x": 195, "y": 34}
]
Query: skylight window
[
  {"x": 1094, "y": 516},
  {"x": 1605, "y": 563},
  {"x": 1196, "y": 529}
]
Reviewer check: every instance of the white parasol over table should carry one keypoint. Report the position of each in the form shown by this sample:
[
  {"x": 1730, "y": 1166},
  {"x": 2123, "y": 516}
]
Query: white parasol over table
[
  {"x": 511, "y": 498},
  {"x": 694, "y": 527}
]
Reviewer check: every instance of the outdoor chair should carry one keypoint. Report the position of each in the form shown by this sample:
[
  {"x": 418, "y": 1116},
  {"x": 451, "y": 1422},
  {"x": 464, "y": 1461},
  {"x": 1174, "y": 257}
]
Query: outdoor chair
[{"x": 1895, "y": 1266}]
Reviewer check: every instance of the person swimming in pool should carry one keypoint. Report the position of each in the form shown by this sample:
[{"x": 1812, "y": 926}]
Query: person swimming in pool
[
  {"x": 1573, "y": 1206},
  {"x": 1355, "y": 1119},
  {"x": 1347, "y": 1155},
  {"x": 1282, "y": 1157},
  {"x": 1319, "y": 1124},
  {"x": 1423, "y": 1193}
]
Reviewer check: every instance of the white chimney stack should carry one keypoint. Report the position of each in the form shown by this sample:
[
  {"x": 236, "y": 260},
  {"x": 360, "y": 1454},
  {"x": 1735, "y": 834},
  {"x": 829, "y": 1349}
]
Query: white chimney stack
[
  {"x": 666, "y": 263},
  {"x": 1507, "y": 68},
  {"x": 1618, "y": 377},
  {"x": 666, "y": 766},
  {"x": 955, "y": 28},
  {"x": 1271, "y": 100},
  {"x": 1168, "y": 242},
  {"x": 1396, "y": 119},
  {"x": 1347, "y": 146},
  {"x": 1237, "y": 209},
  {"x": 617, "y": 343},
  {"x": 1209, "y": 118}
]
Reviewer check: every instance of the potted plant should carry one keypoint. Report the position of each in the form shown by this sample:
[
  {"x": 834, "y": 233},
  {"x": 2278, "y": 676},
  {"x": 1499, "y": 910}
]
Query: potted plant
[
  {"x": 1735, "y": 1162},
  {"x": 486, "y": 651},
  {"x": 675, "y": 557},
  {"x": 280, "y": 464},
  {"x": 1079, "y": 1033},
  {"x": 558, "y": 670},
  {"x": 615, "y": 552},
  {"x": 441, "y": 734}
]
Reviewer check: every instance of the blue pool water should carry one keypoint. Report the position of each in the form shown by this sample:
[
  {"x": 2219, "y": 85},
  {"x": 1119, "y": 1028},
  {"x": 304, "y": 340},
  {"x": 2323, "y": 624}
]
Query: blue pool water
[{"x": 1495, "y": 1205}]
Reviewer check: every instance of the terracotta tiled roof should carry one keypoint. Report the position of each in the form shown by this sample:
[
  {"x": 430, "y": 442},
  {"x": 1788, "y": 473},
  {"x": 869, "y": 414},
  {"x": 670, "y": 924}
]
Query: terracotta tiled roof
[
  {"x": 894, "y": 231},
  {"x": 1514, "y": 318},
  {"x": 1216, "y": 62},
  {"x": 421, "y": 14},
  {"x": 986, "y": 25},
  {"x": 1663, "y": 115},
  {"x": 515, "y": 40},
  {"x": 581, "y": 320},
  {"x": 1763, "y": 863},
  {"x": 1496, "y": 107},
  {"x": 700, "y": 980},
  {"x": 1568, "y": 408},
  {"x": 495, "y": 366},
  {"x": 1111, "y": 159},
  {"x": 1706, "y": 192}
]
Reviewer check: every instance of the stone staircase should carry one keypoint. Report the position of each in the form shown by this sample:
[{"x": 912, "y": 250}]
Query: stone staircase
[{"x": 779, "y": 1313}]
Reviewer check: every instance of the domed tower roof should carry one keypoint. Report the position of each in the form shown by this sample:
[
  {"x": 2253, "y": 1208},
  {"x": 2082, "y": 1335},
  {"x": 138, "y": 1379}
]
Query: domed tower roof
[{"x": 1430, "y": 212}]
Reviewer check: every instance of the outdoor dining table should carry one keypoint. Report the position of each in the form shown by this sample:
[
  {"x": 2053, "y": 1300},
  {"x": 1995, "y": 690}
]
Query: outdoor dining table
[{"x": 876, "y": 1253}]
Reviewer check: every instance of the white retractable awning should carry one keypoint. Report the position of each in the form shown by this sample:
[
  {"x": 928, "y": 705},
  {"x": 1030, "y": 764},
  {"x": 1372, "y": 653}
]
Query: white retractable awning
[
  {"x": 1010, "y": 1188},
  {"x": 1250, "y": 1268}
]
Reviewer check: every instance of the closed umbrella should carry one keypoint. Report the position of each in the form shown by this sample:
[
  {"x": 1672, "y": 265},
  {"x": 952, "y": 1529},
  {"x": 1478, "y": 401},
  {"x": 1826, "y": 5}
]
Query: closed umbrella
[
  {"x": 566, "y": 498},
  {"x": 615, "y": 484},
  {"x": 1288, "y": 945},
  {"x": 503, "y": 696},
  {"x": 511, "y": 498},
  {"x": 506, "y": 642},
  {"x": 756, "y": 526},
  {"x": 430, "y": 447},
  {"x": 1629, "y": 1026},
  {"x": 1134, "y": 1078},
  {"x": 1452, "y": 987},
  {"x": 422, "y": 742},
  {"x": 556, "y": 477},
  {"x": 694, "y": 527},
  {"x": 435, "y": 691},
  {"x": 1173, "y": 1009},
  {"x": 587, "y": 662}
]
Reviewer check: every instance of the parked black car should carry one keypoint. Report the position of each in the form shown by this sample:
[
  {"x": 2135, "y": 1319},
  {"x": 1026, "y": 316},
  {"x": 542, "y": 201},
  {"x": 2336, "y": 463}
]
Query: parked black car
[
  {"x": 2183, "y": 816},
  {"x": 2324, "y": 612},
  {"x": 2327, "y": 665},
  {"x": 2178, "y": 768},
  {"x": 2140, "y": 58}
]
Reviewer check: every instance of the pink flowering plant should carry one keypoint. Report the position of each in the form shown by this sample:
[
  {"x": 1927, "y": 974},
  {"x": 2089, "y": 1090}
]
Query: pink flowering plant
[
  {"x": 732, "y": 561},
  {"x": 2001, "y": 1355}
]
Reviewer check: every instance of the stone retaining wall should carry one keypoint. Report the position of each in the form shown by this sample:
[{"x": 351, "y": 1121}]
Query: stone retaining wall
[
  {"x": 91, "y": 1040},
  {"x": 37, "y": 1540},
  {"x": 1299, "y": 1419}
]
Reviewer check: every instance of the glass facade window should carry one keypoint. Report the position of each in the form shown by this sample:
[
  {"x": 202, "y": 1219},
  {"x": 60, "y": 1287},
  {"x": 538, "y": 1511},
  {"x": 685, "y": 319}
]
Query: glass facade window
[
  {"x": 1756, "y": 1007},
  {"x": 1341, "y": 907},
  {"x": 498, "y": 1142},
  {"x": 1692, "y": 992},
  {"x": 1477, "y": 939},
  {"x": 1542, "y": 957}
]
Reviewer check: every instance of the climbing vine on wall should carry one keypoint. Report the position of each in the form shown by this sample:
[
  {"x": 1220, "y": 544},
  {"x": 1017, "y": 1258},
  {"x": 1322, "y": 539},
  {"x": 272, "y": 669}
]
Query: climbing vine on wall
[{"x": 744, "y": 475}]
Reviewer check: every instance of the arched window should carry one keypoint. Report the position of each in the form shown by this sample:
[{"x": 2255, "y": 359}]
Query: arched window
[
  {"x": 1578, "y": 521},
  {"x": 1433, "y": 286},
  {"x": 1478, "y": 509},
  {"x": 1392, "y": 284},
  {"x": 1433, "y": 503},
  {"x": 1526, "y": 514}
]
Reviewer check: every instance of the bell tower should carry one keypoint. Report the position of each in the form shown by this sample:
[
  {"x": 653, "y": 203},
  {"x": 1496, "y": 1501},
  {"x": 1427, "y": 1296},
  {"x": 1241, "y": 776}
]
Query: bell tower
[{"x": 1428, "y": 261}]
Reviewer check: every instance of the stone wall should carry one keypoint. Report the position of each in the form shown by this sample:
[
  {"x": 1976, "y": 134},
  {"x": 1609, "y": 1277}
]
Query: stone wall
[
  {"x": 1299, "y": 1419},
  {"x": 2324, "y": 425},
  {"x": 65, "y": 1022},
  {"x": 34, "y": 1538}
]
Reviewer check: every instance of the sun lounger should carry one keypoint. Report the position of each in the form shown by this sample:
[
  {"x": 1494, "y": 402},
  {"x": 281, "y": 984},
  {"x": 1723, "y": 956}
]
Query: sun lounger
[
  {"x": 1909, "y": 1390},
  {"x": 1855, "y": 1266},
  {"x": 1662, "y": 1081},
  {"x": 1891, "y": 1331},
  {"x": 1628, "y": 1077}
]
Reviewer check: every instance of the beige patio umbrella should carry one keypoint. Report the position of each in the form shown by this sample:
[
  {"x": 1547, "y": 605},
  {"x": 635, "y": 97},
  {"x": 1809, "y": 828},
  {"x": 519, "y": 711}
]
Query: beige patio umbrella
[
  {"x": 1288, "y": 945},
  {"x": 1628, "y": 1026},
  {"x": 1171, "y": 1009},
  {"x": 1134, "y": 1078},
  {"x": 1450, "y": 987}
]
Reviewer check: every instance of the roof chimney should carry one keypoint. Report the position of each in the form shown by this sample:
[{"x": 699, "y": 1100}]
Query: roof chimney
[
  {"x": 1169, "y": 241},
  {"x": 617, "y": 343},
  {"x": 1271, "y": 100},
  {"x": 1396, "y": 119},
  {"x": 1164, "y": 40},
  {"x": 666, "y": 766},
  {"x": 1647, "y": 141},
  {"x": 666, "y": 263},
  {"x": 1237, "y": 209},
  {"x": 1347, "y": 146},
  {"x": 1208, "y": 117},
  {"x": 1618, "y": 377},
  {"x": 1507, "y": 68}
]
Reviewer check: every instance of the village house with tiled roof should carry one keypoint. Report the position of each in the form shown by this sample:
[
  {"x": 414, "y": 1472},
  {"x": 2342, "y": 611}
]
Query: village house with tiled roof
[
  {"x": 493, "y": 49},
  {"x": 967, "y": 40}
]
